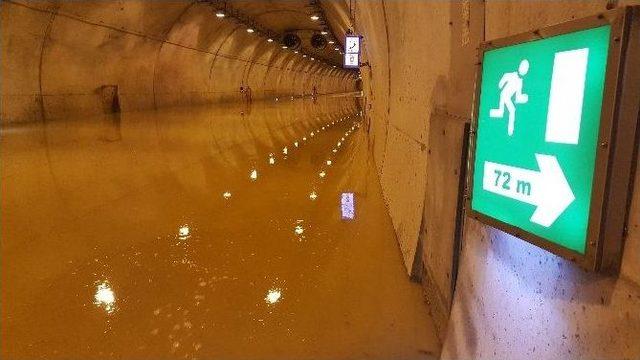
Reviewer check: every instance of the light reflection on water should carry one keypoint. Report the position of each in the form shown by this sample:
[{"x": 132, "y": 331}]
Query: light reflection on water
[
  {"x": 216, "y": 257},
  {"x": 105, "y": 297},
  {"x": 273, "y": 296},
  {"x": 184, "y": 232},
  {"x": 299, "y": 230},
  {"x": 347, "y": 206}
]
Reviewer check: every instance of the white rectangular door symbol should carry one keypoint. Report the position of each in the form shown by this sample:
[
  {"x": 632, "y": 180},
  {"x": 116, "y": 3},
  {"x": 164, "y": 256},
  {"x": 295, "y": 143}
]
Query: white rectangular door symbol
[{"x": 566, "y": 96}]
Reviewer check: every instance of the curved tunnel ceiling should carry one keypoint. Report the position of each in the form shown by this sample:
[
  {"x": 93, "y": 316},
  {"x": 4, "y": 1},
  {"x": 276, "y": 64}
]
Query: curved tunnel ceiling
[
  {"x": 338, "y": 18},
  {"x": 282, "y": 16},
  {"x": 59, "y": 55}
]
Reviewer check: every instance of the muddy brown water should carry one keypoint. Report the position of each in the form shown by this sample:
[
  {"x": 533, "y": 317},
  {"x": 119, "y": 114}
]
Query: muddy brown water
[{"x": 190, "y": 234}]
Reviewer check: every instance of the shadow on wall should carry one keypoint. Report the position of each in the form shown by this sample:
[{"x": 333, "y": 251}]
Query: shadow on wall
[{"x": 110, "y": 99}]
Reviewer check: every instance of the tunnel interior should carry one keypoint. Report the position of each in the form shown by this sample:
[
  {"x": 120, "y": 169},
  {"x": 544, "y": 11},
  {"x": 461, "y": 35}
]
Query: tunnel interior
[{"x": 207, "y": 179}]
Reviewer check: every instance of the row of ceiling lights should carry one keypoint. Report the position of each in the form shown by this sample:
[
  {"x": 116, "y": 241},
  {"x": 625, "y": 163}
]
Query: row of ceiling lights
[{"x": 220, "y": 13}]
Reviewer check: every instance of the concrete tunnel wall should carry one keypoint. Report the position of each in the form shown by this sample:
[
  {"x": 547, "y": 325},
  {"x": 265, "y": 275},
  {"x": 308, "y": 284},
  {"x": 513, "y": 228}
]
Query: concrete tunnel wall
[
  {"x": 57, "y": 56},
  {"x": 512, "y": 300}
]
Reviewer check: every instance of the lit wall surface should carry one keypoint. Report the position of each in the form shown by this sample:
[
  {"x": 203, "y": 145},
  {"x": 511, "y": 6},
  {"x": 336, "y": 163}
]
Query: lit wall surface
[
  {"x": 512, "y": 299},
  {"x": 162, "y": 156}
]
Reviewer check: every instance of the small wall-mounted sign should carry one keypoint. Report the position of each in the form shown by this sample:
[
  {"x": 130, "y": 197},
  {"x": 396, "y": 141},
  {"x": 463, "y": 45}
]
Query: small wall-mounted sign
[
  {"x": 352, "y": 52},
  {"x": 548, "y": 115},
  {"x": 351, "y": 60},
  {"x": 352, "y": 44}
]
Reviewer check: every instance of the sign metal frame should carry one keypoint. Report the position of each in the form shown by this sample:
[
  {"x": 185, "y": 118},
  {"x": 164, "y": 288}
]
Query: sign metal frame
[
  {"x": 347, "y": 53},
  {"x": 617, "y": 140}
]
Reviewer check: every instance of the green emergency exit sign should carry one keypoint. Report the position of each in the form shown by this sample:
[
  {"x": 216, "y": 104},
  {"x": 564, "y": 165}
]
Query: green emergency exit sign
[{"x": 538, "y": 131}]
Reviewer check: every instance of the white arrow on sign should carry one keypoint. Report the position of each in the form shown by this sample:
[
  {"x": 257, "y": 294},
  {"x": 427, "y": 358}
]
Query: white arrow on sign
[{"x": 547, "y": 188}]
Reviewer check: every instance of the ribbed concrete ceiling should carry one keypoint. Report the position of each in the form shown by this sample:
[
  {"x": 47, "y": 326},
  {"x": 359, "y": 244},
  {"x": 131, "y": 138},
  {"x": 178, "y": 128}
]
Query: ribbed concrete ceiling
[{"x": 284, "y": 16}]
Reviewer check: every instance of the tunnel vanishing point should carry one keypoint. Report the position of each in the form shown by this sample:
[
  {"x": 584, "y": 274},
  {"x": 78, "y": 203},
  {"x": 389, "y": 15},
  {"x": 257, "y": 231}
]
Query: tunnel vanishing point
[{"x": 320, "y": 179}]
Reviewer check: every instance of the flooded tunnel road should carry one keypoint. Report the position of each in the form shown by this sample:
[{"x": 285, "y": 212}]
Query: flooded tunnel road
[{"x": 203, "y": 233}]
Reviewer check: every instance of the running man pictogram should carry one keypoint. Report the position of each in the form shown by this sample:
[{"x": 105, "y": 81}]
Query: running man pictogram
[{"x": 511, "y": 86}]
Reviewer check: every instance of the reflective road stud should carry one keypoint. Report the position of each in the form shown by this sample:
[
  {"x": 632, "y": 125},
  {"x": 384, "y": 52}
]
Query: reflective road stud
[{"x": 537, "y": 134}]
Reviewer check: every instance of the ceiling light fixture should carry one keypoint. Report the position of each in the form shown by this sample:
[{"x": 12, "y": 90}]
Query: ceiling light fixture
[
  {"x": 315, "y": 17},
  {"x": 269, "y": 40},
  {"x": 323, "y": 32},
  {"x": 250, "y": 30},
  {"x": 220, "y": 14}
]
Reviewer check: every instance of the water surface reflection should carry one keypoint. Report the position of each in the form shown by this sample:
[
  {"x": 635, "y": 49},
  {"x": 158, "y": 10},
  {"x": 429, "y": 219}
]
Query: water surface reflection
[{"x": 176, "y": 239}]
